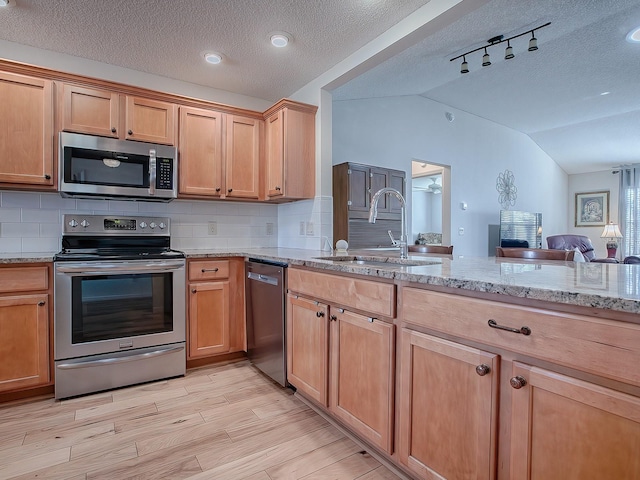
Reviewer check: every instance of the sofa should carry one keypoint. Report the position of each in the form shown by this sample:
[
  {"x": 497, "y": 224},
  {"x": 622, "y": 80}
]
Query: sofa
[{"x": 581, "y": 242}]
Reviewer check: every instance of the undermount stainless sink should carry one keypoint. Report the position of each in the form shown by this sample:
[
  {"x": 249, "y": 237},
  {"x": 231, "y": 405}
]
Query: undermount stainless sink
[{"x": 372, "y": 261}]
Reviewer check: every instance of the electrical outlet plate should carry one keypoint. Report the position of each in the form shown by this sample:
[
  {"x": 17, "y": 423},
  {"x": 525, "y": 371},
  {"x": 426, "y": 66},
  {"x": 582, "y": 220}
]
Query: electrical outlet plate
[
  {"x": 302, "y": 228},
  {"x": 269, "y": 228},
  {"x": 309, "y": 228},
  {"x": 213, "y": 228}
]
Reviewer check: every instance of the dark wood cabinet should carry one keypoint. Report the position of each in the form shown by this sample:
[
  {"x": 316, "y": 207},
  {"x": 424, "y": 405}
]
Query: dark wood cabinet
[{"x": 353, "y": 186}]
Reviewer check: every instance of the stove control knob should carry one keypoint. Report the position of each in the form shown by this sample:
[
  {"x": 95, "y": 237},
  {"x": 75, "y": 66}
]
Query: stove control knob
[
  {"x": 73, "y": 224},
  {"x": 153, "y": 225},
  {"x": 162, "y": 225},
  {"x": 143, "y": 225},
  {"x": 84, "y": 223}
]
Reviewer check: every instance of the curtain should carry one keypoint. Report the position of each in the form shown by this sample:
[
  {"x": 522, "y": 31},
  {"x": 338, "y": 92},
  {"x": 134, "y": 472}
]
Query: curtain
[{"x": 629, "y": 210}]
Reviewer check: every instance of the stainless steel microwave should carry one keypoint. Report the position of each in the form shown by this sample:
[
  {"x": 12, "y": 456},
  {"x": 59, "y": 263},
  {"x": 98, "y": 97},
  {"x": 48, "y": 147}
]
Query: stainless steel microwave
[{"x": 97, "y": 167}]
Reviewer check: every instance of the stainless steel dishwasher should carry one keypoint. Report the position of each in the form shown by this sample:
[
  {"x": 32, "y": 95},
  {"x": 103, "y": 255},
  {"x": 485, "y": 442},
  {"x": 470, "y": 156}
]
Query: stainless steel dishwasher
[{"x": 265, "y": 294}]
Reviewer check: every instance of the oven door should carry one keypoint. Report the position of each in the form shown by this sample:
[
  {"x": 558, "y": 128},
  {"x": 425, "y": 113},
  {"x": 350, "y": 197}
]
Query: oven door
[{"x": 113, "y": 306}]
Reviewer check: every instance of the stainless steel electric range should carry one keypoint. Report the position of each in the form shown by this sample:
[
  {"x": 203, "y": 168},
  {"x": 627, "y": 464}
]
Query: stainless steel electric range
[{"x": 119, "y": 304}]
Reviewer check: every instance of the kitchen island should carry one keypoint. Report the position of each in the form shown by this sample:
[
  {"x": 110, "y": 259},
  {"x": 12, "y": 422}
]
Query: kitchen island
[{"x": 470, "y": 367}]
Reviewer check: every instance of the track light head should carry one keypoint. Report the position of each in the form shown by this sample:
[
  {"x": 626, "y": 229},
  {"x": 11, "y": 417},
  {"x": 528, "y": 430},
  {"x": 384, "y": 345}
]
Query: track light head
[
  {"x": 508, "y": 52},
  {"x": 464, "y": 67},
  {"x": 533, "y": 43},
  {"x": 486, "y": 59}
]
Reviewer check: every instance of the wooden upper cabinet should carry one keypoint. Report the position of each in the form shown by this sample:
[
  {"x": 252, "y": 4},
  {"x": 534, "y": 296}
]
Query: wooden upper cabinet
[
  {"x": 290, "y": 151},
  {"x": 90, "y": 111},
  {"x": 242, "y": 158},
  {"x": 150, "y": 120},
  {"x": 106, "y": 113},
  {"x": 200, "y": 164},
  {"x": 566, "y": 428},
  {"x": 26, "y": 126}
]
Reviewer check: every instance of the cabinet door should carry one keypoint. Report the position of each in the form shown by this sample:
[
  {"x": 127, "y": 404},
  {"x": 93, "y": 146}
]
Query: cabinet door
[
  {"x": 200, "y": 165},
  {"x": 448, "y": 404},
  {"x": 242, "y": 157},
  {"x": 275, "y": 154},
  {"x": 150, "y": 120},
  {"x": 379, "y": 178},
  {"x": 396, "y": 180},
  {"x": 359, "y": 188},
  {"x": 565, "y": 428},
  {"x": 208, "y": 318},
  {"x": 90, "y": 111},
  {"x": 24, "y": 341},
  {"x": 26, "y": 123},
  {"x": 308, "y": 347},
  {"x": 361, "y": 379}
]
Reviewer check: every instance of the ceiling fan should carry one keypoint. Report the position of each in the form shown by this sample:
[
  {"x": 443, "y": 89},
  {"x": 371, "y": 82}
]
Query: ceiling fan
[{"x": 434, "y": 187}]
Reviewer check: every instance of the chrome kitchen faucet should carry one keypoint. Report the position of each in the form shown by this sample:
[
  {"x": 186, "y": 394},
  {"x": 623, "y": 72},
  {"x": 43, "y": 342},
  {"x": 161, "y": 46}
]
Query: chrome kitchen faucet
[{"x": 373, "y": 213}]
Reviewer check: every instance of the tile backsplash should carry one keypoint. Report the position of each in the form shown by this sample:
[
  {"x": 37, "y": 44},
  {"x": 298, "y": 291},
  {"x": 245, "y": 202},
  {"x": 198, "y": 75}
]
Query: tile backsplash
[{"x": 31, "y": 222}]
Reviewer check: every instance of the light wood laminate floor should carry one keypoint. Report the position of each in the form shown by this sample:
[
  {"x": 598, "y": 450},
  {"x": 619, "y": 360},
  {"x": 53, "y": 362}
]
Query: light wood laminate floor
[{"x": 218, "y": 422}]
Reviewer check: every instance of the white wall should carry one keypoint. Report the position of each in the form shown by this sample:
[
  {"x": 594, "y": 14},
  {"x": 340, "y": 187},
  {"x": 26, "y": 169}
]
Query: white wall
[
  {"x": 593, "y": 182},
  {"x": 32, "y": 222},
  {"x": 390, "y": 132}
]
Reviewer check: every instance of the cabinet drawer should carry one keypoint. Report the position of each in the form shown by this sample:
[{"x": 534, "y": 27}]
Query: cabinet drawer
[
  {"x": 594, "y": 345},
  {"x": 208, "y": 270},
  {"x": 366, "y": 295},
  {"x": 24, "y": 279}
]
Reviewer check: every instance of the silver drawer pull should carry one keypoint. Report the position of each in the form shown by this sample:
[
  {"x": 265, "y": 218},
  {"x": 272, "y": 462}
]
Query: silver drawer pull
[{"x": 523, "y": 330}]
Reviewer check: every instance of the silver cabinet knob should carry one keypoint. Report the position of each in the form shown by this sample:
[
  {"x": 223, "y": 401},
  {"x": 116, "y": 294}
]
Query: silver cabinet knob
[{"x": 483, "y": 369}]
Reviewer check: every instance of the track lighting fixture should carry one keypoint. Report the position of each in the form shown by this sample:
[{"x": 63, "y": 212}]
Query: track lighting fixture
[{"x": 508, "y": 53}]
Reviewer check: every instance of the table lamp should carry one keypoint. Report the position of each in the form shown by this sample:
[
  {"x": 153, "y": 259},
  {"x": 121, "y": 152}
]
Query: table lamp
[{"x": 612, "y": 232}]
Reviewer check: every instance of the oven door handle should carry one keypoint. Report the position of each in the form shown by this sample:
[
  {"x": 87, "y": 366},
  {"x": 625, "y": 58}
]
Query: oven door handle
[
  {"x": 93, "y": 268},
  {"x": 116, "y": 360}
]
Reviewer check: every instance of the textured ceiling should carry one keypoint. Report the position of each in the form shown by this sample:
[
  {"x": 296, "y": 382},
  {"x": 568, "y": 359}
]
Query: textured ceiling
[
  {"x": 553, "y": 95},
  {"x": 169, "y": 38}
]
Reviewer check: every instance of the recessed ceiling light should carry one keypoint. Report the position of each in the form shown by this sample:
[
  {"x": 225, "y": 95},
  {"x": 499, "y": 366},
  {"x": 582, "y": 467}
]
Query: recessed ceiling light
[
  {"x": 5, "y": 3},
  {"x": 605, "y": 93},
  {"x": 634, "y": 35},
  {"x": 279, "y": 40},
  {"x": 213, "y": 58}
]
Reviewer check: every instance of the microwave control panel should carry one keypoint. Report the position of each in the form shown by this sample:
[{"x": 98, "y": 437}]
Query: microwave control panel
[{"x": 164, "y": 178}]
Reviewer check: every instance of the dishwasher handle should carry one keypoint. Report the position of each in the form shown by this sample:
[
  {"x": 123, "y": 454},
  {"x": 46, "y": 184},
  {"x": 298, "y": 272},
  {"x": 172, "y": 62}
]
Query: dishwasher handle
[{"x": 262, "y": 278}]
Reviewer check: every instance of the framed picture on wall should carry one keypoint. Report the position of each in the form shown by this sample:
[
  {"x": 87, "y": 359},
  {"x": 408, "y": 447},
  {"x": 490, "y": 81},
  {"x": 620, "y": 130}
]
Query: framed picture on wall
[{"x": 592, "y": 209}]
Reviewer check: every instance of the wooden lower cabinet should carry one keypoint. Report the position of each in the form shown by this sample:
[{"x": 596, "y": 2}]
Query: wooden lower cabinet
[
  {"x": 447, "y": 402},
  {"x": 215, "y": 307},
  {"x": 24, "y": 341},
  {"x": 362, "y": 375},
  {"x": 208, "y": 319},
  {"x": 568, "y": 429},
  {"x": 25, "y": 327},
  {"x": 308, "y": 347}
]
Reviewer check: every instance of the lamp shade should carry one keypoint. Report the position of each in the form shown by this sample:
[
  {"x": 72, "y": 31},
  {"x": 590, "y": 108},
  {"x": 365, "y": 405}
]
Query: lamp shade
[{"x": 611, "y": 231}]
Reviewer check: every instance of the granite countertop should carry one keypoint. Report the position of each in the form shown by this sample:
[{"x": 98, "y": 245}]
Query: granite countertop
[{"x": 596, "y": 285}]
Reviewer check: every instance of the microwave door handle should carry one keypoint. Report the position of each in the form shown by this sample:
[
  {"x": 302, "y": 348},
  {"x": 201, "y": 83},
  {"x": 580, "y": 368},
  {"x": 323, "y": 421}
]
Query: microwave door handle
[{"x": 152, "y": 172}]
